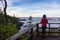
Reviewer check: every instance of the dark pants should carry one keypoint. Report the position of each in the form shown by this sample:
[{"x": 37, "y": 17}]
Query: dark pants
[{"x": 43, "y": 30}]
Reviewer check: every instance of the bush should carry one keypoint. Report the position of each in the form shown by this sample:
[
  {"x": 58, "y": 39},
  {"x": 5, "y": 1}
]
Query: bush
[
  {"x": 10, "y": 19},
  {"x": 7, "y": 31}
]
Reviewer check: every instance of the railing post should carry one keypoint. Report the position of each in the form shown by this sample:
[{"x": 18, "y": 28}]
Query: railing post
[
  {"x": 32, "y": 34},
  {"x": 59, "y": 30},
  {"x": 49, "y": 29},
  {"x": 37, "y": 29},
  {"x": 17, "y": 39}
]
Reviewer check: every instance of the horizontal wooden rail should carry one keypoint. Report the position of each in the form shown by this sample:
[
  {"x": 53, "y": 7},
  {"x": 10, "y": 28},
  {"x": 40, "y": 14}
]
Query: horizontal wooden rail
[
  {"x": 50, "y": 32},
  {"x": 49, "y": 28},
  {"x": 17, "y": 35},
  {"x": 22, "y": 31},
  {"x": 50, "y": 23}
]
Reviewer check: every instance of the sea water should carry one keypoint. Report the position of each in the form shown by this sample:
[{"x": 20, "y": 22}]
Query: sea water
[{"x": 50, "y": 20}]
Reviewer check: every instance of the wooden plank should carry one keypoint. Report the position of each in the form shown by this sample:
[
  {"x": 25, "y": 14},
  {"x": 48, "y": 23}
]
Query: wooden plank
[
  {"x": 51, "y": 23},
  {"x": 14, "y": 37}
]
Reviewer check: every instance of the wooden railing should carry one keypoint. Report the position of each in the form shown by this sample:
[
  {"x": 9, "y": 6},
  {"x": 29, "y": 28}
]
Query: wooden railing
[
  {"x": 21, "y": 32},
  {"x": 48, "y": 28},
  {"x": 32, "y": 35}
]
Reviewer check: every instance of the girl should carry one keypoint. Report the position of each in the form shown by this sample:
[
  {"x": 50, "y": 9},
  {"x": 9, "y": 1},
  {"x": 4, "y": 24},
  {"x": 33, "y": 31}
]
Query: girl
[{"x": 44, "y": 22}]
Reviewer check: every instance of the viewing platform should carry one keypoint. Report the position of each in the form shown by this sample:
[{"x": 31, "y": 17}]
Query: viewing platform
[{"x": 51, "y": 34}]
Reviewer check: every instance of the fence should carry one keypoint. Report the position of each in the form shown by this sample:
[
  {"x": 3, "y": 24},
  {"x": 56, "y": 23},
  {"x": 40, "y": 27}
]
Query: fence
[
  {"x": 48, "y": 28},
  {"x": 32, "y": 33}
]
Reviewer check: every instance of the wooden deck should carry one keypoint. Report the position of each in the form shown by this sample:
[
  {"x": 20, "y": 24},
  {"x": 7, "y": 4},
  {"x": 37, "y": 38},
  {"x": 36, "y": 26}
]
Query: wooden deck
[
  {"x": 51, "y": 34},
  {"x": 47, "y": 38}
]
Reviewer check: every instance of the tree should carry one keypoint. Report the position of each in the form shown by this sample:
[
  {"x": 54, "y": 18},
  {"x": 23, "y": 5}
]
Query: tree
[
  {"x": 4, "y": 4},
  {"x": 5, "y": 14}
]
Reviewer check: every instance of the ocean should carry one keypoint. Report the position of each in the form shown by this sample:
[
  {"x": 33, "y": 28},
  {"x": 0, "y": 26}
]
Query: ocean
[{"x": 50, "y": 20}]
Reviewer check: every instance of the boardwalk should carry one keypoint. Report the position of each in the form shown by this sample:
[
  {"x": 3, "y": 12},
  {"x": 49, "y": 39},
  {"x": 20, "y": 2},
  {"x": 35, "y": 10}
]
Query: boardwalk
[
  {"x": 36, "y": 34},
  {"x": 53, "y": 34},
  {"x": 47, "y": 38}
]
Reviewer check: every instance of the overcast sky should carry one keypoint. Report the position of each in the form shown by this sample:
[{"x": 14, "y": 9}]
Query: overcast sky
[{"x": 35, "y": 8}]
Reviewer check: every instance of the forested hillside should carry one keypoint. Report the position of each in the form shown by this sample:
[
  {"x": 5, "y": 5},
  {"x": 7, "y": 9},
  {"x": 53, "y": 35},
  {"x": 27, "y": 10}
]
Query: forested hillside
[{"x": 7, "y": 30}]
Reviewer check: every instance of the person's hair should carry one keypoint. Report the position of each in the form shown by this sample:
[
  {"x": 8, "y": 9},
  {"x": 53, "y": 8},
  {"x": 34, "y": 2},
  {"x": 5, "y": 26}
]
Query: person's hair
[
  {"x": 30, "y": 18},
  {"x": 44, "y": 16}
]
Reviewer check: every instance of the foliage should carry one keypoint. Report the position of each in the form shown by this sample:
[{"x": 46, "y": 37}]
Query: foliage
[
  {"x": 2, "y": 19},
  {"x": 7, "y": 31},
  {"x": 10, "y": 19}
]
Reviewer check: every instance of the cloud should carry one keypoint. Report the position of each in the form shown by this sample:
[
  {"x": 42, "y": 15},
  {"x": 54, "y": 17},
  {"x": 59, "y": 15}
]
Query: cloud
[
  {"x": 35, "y": 8},
  {"x": 34, "y": 11}
]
